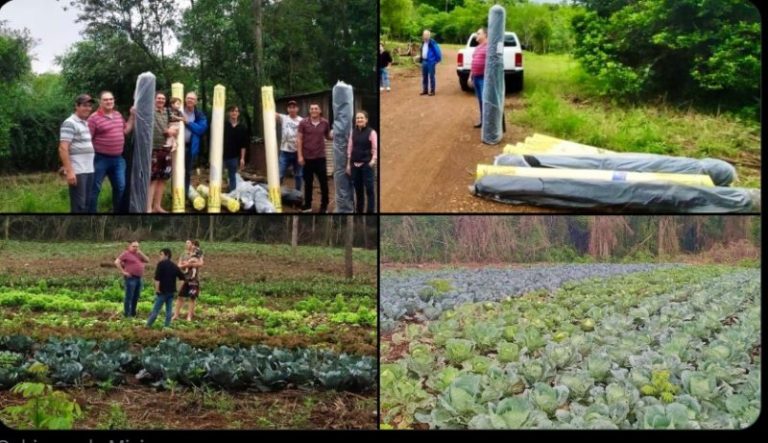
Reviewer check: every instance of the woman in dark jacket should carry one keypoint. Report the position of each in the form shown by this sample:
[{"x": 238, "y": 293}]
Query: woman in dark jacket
[{"x": 361, "y": 159}]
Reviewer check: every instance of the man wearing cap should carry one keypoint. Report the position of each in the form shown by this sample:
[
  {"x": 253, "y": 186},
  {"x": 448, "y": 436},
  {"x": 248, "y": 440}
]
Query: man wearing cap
[
  {"x": 288, "y": 155},
  {"x": 76, "y": 153},
  {"x": 108, "y": 131}
]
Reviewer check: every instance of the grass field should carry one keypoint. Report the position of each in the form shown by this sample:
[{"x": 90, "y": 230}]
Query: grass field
[{"x": 254, "y": 298}]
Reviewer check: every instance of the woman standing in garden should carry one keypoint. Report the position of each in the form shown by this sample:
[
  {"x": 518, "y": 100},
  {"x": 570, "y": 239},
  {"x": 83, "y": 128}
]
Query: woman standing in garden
[{"x": 190, "y": 263}]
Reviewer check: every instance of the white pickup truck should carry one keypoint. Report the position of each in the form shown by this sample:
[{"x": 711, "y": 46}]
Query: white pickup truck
[{"x": 513, "y": 63}]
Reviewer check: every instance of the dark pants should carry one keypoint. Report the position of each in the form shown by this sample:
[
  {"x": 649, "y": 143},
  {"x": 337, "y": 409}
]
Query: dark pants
[
  {"x": 428, "y": 76},
  {"x": 113, "y": 167},
  {"x": 479, "y": 81},
  {"x": 189, "y": 162},
  {"x": 362, "y": 179},
  {"x": 80, "y": 194},
  {"x": 231, "y": 164},
  {"x": 161, "y": 299},
  {"x": 312, "y": 167},
  {"x": 132, "y": 293}
]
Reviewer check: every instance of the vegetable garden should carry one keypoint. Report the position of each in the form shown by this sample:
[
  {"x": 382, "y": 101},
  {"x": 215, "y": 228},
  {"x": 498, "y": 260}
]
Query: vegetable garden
[
  {"x": 574, "y": 347},
  {"x": 279, "y": 341}
]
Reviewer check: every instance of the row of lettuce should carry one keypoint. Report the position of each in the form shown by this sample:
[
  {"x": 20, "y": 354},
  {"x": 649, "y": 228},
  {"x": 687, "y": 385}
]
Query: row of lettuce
[
  {"x": 677, "y": 348},
  {"x": 74, "y": 362}
]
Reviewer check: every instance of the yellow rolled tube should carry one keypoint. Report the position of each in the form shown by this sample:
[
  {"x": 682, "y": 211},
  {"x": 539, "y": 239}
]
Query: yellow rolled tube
[
  {"x": 217, "y": 149},
  {"x": 232, "y": 204},
  {"x": 596, "y": 174},
  {"x": 270, "y": 146},
  {"x": 198, "y": 202},
  {"x": 177, "y": 177}
]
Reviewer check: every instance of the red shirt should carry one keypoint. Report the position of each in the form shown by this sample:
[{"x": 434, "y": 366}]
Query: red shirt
[
  {"x": 478, "y": 60},
  {"x": 132, "y": 263},
  {"x": 313, "y": 137},
  {"x": 107, "y": 132}
]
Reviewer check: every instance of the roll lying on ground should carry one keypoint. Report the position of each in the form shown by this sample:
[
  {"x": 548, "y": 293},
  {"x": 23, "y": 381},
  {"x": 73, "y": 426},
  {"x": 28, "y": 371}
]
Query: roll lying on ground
[{"x": 598, "y": 194}]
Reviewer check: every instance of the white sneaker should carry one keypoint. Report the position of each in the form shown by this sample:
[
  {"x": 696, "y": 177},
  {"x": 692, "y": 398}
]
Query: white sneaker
[
  {"x": 381, "y": 89},
  {"x": 388, "y": 89}
]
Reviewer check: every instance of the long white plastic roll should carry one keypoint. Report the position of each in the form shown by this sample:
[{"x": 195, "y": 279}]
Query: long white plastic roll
[
  {"x": 177, "y": 179},
  {"x": 270, "y": 146}
]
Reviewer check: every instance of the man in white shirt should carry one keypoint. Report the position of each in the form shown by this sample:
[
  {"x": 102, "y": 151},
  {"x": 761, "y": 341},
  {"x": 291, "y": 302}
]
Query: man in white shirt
[{"x": 288, "y": 154}]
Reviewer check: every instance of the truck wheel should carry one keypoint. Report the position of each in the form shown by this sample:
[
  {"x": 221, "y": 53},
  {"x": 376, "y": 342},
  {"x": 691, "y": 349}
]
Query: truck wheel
[
  {"x": 514, "y": 82},
  {"x": 464, "y": 81}
]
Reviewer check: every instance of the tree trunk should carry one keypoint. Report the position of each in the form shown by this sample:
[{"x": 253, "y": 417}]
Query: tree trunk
[
  {"x": 211, "y": 223},
  {"x": 258, "y": 62},
  {"x": 348, "y": 246},
  {"x": 295, "y": 233}
]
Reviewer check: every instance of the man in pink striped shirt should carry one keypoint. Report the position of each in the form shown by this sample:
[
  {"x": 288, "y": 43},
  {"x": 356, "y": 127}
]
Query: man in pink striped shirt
[
  {"x": 108, "y": 131},
  {"x": 478, "y": 69}
]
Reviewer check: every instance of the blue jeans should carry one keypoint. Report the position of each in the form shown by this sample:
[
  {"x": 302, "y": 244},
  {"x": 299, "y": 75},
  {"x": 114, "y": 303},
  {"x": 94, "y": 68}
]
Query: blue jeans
[
  {"x": 384, "y": 77},
  {"x": 479, "y": 82},
  {"x": 161, "y": 299},
  {"x": 189, "y": 161},
  {"x": 291, "y": 159},
  {"x": 231, "y": 164},
  {"x": 427, "y": 76},
  {"x": 362, "y": 180},
  {"x": 79, "y": 195},
  {"x": 112, "y": 166},
  {"x": 132, "y": 293}
]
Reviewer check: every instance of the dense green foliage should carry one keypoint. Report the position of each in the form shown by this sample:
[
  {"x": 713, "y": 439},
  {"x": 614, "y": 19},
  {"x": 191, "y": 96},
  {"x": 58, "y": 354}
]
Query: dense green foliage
[
  {"x": 693, "y": 50},
  {"x": 541, "y": 27}
]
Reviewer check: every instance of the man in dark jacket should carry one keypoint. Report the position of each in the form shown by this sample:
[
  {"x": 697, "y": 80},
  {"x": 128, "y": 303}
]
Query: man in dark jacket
[
  {"x": 196, "y": 124},
  {"x": 430, "y": 57},
  {"x": 166, "y": 275}
]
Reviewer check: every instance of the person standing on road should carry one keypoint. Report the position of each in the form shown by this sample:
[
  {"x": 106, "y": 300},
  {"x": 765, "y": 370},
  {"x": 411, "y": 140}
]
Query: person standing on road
[
  {"x": 76, "y": 153},
  {"x": 478, "y": 68},
  {"x": 430, "y": 57},
  {"x": 313, "y": 131},
  {"x": 131, "y": 264},
  {"x": 385, "y": 61},
  {"x": 108, "y": 131}
]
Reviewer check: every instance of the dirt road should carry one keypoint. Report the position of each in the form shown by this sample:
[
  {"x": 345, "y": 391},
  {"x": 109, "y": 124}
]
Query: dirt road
[{"x": 430, "y": 148}]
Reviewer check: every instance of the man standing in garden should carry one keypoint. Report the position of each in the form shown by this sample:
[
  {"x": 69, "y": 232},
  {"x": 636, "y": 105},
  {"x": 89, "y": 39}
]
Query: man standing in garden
[
  {"x": 313, "y": 132},
  {"x": 196, "y": 124},
  {"x": 478, "y": 69},
  {"x": 108, "y": 131},
  {"x": 131, "y": 264},
  {"x": 289, "y": 124},
  {"x": 430, "y": 57},
  {"x": 166, "y": 275},
  {"x": 76, "y": 153}
]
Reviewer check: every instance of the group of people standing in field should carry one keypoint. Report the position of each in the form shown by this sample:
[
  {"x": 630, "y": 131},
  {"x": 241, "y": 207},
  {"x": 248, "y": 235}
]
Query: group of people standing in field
[
  {"x": 131, "y": 264},
  {"x": 91, "y": 148}
]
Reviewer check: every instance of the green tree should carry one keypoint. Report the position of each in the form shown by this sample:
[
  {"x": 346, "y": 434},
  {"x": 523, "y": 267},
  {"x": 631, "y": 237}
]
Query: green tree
[
  {"x": 686, "y": 49},
  {"x": 542, "y": 33},
  {"x": 395, "y": 17}
]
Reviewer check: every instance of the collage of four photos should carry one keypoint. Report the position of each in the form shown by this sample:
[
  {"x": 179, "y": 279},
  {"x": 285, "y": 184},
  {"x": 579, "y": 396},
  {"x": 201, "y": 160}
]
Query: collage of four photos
[{"x": 378, "y": 215}]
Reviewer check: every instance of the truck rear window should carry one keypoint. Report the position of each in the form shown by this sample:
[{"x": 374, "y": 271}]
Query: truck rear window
[{"x": 509, "y": 41}]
